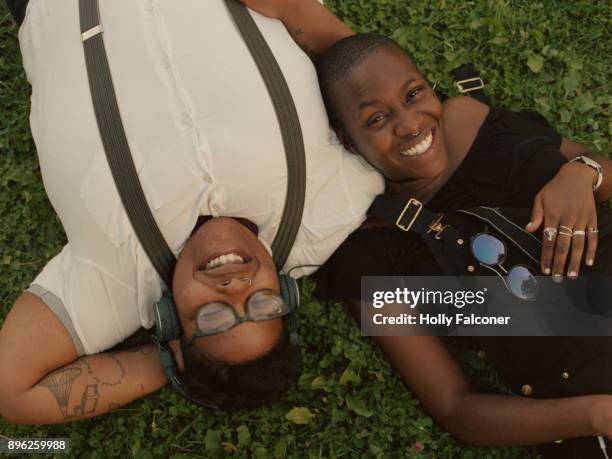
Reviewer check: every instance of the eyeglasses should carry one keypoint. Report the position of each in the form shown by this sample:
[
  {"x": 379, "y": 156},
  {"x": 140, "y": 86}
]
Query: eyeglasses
[
  {"x": 491, "y": 251},
  {"x": 217, "y": 316}
]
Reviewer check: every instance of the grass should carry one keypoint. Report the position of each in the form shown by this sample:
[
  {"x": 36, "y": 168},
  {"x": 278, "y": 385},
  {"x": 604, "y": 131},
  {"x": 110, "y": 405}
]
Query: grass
[{"x": 546, "y": 55}]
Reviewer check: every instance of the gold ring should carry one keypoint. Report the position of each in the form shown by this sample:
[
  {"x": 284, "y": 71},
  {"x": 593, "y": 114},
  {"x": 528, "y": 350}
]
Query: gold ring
[
  {"x": 565, "y": 228},
  {"x": 565, "y": 233},
  {"x": 579, "y": 233},
  {"x": 592, "y": 230}
]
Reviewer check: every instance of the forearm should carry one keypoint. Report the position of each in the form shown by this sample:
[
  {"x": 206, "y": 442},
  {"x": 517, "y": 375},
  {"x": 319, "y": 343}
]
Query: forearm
[
  {"x": 501, "y": 420},
  {"x": 89, "y": 386},
  {"x": 313, "y": 27}
]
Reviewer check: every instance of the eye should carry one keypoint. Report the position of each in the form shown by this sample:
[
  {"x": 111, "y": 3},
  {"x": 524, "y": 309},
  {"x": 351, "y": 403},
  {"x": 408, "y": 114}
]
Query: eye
[
  {"x": 375, "y": 119},
  {"x": 413, "y": 93}
]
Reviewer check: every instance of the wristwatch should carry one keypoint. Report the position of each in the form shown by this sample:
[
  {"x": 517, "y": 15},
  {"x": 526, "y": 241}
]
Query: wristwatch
[{"x": 592, "y": 164}]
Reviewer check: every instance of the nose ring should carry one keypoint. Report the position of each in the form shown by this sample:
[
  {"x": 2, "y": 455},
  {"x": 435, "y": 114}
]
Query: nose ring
[
  {"x": 248, "y": 280},
  {"x": 415, "y": 134}
]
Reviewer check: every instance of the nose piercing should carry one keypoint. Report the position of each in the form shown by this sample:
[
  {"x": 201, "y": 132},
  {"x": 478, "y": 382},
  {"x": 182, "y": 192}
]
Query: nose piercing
[
  {"x": 248, "y": 280},
  {"x": 415, "y": 134}
]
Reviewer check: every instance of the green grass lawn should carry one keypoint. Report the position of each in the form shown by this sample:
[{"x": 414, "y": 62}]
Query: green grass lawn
[{"x": 552, "y": 56}]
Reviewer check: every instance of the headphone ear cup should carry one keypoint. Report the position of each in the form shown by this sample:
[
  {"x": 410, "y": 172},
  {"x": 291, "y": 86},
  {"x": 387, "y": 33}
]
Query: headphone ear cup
[
  {"x": 167, "y": 325},
  {"x": 289, "y": 291}
]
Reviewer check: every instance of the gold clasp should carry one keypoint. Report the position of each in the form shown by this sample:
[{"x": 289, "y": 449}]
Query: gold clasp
[
  {"x": 480, "y": 85},
  {"x": 436, "y": 226},
  {"x": 411, "y": 202}
]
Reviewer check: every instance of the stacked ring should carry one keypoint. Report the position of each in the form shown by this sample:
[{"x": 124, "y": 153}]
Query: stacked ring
[
  {"x": 566, "y": 233},
  {"x": 579, "y": 233},
  {"x": 566, "y": 228},
  {"x": 592, "y": 230}
]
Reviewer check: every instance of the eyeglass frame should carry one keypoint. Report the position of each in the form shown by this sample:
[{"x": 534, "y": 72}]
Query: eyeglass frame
[
  {"x": 237, "y": 318},
  {"x": 505, "y": 272}
]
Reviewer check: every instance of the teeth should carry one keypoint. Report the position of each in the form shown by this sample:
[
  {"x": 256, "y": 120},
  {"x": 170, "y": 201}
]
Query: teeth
[
  {"x": 420, "y": 148},
  {"x": 224, "y": 259}
]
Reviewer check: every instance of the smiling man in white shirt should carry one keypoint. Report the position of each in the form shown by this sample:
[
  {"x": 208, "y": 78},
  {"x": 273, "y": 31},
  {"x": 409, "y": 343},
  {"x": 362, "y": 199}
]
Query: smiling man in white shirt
[{"x": 206, "y": 143}]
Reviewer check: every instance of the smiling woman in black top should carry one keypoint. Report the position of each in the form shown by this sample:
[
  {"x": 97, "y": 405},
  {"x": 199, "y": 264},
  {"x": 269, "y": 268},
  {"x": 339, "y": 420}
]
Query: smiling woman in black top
[{"x": 455, "y": 155}]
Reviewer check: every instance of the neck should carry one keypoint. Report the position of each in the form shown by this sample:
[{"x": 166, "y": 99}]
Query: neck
[{"x": 422, "y": 189}]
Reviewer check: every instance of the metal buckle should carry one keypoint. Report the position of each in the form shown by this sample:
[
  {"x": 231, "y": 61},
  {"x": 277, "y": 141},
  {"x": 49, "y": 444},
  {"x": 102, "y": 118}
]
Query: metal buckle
[
  {"x": 463, "y": 90},
  {"x": 437, "y": 227},
  {"x": 91, "y": 32},
  {"x": 411, "y": 202}
]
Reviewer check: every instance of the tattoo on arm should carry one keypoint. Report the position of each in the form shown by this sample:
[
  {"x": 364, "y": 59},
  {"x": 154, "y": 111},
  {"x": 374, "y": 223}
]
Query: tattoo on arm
[
  {"x": 60, "y": 384},
  {"x": 120, "y": 368}
]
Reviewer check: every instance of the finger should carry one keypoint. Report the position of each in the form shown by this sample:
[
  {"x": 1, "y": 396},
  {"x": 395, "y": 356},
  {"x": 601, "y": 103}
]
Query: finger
[
  {"x": 562, "y": 248},
  {"x": 549, "y": 237},
  {"x": 537, "y": 214},
  {"x": 577, "y": 250},
  {"x": 591, "y": 242}
]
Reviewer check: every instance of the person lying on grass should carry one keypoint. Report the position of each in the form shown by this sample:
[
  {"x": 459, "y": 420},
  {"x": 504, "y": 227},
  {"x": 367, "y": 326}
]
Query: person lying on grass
[
  {"x": 456, "y": 155},
  {"x": 206, "y": 145}
]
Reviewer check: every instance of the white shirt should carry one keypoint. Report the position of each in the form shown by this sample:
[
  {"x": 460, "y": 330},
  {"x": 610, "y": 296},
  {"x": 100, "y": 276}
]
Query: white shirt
[{"x": 205, "y": 140}]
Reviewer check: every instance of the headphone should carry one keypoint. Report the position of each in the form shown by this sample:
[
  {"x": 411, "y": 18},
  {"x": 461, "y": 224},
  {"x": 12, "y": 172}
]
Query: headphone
[{"x": 168, "y": 328}]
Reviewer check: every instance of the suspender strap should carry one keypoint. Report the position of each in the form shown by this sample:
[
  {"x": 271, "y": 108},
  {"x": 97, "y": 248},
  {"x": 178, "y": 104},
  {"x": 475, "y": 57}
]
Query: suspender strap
[
  {"x": 469, "y": 82},
  {"x": 290, "y": 129},
  {"x": 116, "y": 146}
]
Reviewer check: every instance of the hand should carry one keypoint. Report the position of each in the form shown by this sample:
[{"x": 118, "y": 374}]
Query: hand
[
  {"x": 270, "y": 8},
  {"x": 566, "y": 204}
]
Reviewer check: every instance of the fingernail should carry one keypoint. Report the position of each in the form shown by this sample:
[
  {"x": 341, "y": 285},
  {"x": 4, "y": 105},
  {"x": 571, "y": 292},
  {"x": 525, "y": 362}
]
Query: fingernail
[
  {"x": 589, "y": 262},
  {"x": 547, "y": 271},
  {"x": 557, "y": 278},
  {"x": 572, "y": 274},
  {"x": 529, "y": 225}
]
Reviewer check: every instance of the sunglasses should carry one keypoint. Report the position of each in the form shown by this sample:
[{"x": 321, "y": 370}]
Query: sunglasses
[
  {"x": 490, "y": 252},
  {"x": 217, "y": 316}
]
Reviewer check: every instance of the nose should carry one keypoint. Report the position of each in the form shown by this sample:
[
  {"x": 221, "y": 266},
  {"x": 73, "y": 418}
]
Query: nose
[{"x": 408, "y": 122}]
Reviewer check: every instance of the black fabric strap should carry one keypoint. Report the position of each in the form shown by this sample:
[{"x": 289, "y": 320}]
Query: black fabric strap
[
  {"x": 290, "y": 129},
  {"x": 116, "y": 145},
  {"x": 411, "y": 215},
  {"x": 469, "y": 82}
]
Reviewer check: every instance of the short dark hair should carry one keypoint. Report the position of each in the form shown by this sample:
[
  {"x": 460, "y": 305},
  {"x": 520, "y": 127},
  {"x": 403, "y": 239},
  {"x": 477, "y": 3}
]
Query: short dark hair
[
  {"x": 245, "y": 385},
  {"x": 340, "y": 59}
]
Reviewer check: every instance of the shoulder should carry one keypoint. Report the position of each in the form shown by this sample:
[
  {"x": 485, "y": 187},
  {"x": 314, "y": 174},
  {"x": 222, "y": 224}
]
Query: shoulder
[{"x": 463, "y": 117}]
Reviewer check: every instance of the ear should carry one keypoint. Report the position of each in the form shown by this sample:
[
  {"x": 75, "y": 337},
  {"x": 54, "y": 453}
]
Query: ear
[{"x": 346, "y": 141}]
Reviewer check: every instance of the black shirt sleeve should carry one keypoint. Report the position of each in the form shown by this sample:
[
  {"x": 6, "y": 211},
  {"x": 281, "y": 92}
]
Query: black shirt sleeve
[{"x": 17, "y": 9}]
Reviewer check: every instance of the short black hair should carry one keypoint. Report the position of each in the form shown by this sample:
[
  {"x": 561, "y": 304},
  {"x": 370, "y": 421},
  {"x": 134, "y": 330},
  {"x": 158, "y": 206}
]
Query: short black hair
[
  {"x": 340, "y": 59},
  {"x": 249, "y": 384}
]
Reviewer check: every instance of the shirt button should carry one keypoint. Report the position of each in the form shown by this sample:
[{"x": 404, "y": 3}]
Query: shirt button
[
  {"x": 165, "y": 63},
  {"x": 565, "y": 375},
  {"x": 187, "y": 120}
]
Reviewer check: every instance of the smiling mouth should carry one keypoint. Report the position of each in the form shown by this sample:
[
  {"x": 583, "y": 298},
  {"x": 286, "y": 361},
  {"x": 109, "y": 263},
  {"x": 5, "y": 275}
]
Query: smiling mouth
[
  {"x": 224, "y": 259},
  {"x": 420, "y": 148}
]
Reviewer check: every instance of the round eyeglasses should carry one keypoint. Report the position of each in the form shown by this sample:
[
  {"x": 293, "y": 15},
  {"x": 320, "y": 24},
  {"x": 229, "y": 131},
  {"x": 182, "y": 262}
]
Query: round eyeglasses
[
  {"x": 217, "y": 316},
  {"x": 491, "y": 251}
]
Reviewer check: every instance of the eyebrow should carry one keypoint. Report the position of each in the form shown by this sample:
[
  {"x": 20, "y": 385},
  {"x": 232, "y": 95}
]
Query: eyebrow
[{"x": 368, "y": 103}]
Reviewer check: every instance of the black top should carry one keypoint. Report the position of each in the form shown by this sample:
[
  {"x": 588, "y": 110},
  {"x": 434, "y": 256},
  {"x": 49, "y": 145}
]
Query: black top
[
  {"x": 513, "y": 156},
  {"x": 17, "y": 8}
]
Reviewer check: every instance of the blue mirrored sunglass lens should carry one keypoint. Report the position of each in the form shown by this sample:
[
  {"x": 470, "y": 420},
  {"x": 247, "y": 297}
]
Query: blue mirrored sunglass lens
[
  {"x": 522, "y": 283},
  {"x": 488, "y": 249}
]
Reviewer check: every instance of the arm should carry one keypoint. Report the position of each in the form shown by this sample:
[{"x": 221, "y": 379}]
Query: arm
[
  {"x": 313, "y": 27},
  {"x": 425, "y": 365},
  {"x": 43, "y": 382}
]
